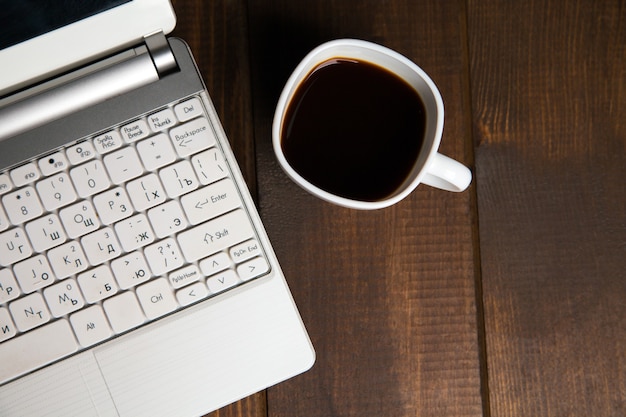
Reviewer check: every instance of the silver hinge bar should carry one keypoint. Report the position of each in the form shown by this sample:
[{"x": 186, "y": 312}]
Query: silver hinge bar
[{"x": 85, "y": 91}]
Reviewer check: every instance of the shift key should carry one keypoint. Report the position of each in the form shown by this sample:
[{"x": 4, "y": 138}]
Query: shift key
[{"x": 215, "y": 235}]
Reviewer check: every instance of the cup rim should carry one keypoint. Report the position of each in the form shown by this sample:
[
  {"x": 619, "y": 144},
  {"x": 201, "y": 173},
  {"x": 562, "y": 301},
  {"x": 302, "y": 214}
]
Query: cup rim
[{"x": 291, "y": 84}]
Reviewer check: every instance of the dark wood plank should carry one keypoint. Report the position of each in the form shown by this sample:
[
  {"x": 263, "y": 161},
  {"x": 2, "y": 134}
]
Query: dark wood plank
[
  {"x": 548, "y": 96},
  {"x": 387, "y": 296},
  {"x": 216, "y": 32}
]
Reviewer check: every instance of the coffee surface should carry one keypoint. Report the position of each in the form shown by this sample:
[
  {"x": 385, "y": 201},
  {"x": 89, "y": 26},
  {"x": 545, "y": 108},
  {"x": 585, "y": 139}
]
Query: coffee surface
[{"x": 353, "y": 129}]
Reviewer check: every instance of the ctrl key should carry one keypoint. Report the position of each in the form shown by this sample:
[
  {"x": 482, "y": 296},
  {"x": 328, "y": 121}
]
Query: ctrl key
[{"x": 35, "y": 349}]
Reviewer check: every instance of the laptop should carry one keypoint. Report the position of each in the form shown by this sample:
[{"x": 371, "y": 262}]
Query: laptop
[{"x": 136, "y": 278}]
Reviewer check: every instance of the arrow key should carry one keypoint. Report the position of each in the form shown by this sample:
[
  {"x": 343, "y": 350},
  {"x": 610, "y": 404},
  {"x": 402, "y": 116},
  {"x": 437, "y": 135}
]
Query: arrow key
[
  {"x": 253, "y": 269},
  {"x": 222, "y": 281},
  {"x": 192, "y": 293},
  {"x": 214, "y": 264}
]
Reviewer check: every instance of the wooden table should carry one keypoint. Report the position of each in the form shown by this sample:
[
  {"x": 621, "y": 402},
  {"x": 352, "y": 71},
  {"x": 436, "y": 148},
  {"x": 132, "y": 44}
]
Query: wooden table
[{"x": 506, "y": 300}]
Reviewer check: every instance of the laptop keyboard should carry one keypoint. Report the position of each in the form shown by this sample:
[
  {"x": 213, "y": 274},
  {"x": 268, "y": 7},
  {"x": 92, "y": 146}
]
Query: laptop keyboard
[{"x": 115, "y": 231}]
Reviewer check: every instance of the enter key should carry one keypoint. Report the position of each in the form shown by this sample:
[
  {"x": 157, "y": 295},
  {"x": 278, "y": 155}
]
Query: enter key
[{"x": 211, "y": 201}]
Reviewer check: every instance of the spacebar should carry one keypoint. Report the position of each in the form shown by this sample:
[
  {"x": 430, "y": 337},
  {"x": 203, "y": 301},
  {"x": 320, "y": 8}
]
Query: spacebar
[{"x": 35, "y": 349}]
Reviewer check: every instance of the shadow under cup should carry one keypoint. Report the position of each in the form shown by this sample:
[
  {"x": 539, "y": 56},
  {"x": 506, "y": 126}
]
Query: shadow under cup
[{"x": 357, "y": 124}]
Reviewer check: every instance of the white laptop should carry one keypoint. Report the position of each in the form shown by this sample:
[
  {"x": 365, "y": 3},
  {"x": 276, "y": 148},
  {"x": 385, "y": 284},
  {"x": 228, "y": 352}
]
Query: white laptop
[{"x": 136, "y": 278}]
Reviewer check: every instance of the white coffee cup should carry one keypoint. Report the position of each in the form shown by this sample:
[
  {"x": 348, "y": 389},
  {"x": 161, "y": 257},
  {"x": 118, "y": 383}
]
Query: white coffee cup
[{"x": 430, "y": 167}]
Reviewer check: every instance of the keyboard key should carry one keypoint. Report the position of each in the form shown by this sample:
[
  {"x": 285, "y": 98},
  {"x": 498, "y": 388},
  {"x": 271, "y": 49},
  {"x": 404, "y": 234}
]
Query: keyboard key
[
  {"x": 215, "y": 235},
  {"x": 90, "y": 178},
  {"x": 156, "y": 298},
  {"x": 161, "y": 120},
  {"x": 5, "y": 184},
  {"x": 164, "y": 256},
  {"x": 222, "y": 281},
  {"x": 210, "y": 166},
  {"x": 9, "y": 289},
  {"x": 134, "y": 233},
  {"x": 210, "y": 201},
  {"x": 179, "y": 179},
  {"x": 123, "y": 165},
  {"x": 123, "y": 312},
  {"x": 97, "y": 284},
  {"x": 46, "y": 232},
  {"x": 91, "y": 326},
  {"x": 36, "y": 348},
  {"x": 131, "y": 270},
  {"x": 192, "y": 137},
  {"x": 245, "y": 251},
  {"x": 167, "y": 219},
  {"x": 252, "y": 269},
  {"x": 79, "y": 219},
  {"x": 214, "y": 264},
  {"x": 4, "y": 220},
  {"x": 29, "y": 312},
  {"x": 146, "y": 192},
  {"x": 192, "y": 293},
  {"x": 189, "y": 109},
  {"x": 33, "y": 274},
  {"x": 7, "y": 327},
  {"x": 107, "y": 142},
  {"x": 184, "y": 276},
  {"x": 63, "y": 298},
  {"x": 67, "y": 260},
  {"x": 17, "y": 246},
  {"x": 54, "y": 163},
  {"x": 156, "y": 152},
  {"x": 56, "y": 192},
  {"x": 22, "y": 205},
  {"x": 81, "y": 152},
  {"x": 101, "y": 246},
  {"x": 25, "y": 174},
  {"x": 113, "y": 205},
  {"x": 134, "y": 131}
]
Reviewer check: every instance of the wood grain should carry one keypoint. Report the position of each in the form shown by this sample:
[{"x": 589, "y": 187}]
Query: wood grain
[{"x": 548, "y": 94}]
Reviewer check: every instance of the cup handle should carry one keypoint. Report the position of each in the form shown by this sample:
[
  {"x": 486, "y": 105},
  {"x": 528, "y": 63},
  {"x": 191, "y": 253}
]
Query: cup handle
[{"x": 447, "y": 174}]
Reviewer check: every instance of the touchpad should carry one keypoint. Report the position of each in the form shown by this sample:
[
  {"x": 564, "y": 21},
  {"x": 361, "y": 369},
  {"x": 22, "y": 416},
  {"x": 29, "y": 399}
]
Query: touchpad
[
  {"x": 74, "y": 387},
  {"x": 146, "y": 368}
]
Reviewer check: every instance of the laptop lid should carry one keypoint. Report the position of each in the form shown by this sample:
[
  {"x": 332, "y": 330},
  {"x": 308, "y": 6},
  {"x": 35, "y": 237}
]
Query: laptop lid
[{"x": 43, "y": 38}]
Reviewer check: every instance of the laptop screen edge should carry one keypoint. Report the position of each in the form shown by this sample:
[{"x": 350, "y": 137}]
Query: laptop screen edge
[{"x": 78, "y": 43}]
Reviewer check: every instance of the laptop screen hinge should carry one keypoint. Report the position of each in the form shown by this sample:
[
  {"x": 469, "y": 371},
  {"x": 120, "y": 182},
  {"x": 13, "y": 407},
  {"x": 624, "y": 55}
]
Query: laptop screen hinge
[{"x": 161, "y": 53}]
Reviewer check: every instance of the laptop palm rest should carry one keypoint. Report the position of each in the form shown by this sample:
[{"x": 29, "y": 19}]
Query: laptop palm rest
[{"x": 230, "y": 347}]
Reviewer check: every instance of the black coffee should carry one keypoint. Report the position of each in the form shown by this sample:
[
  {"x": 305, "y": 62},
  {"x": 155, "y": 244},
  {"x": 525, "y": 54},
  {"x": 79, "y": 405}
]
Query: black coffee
[{"x": 354, "y": 129}]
